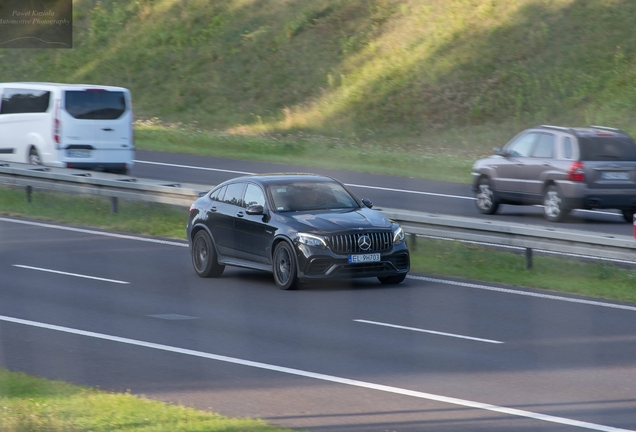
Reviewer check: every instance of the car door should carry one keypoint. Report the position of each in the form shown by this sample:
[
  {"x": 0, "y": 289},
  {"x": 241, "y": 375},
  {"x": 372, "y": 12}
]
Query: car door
[
  {"x": 253, "y": 233},
  {"x": 222, "y": 221},
  {"x": 541, "y": 161},
  {"x": 512, "y": 170}
]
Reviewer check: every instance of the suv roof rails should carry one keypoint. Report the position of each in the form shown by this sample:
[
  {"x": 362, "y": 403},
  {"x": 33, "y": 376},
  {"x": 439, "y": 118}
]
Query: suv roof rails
[
  {"x": 555, "y": 127},
  {"x": 609, "y": 129}
]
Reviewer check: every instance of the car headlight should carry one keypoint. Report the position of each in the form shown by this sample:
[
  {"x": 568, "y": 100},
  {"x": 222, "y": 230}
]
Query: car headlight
[
  {"x": 398, "y": 235},
  {"x": 311, "y": 240}
]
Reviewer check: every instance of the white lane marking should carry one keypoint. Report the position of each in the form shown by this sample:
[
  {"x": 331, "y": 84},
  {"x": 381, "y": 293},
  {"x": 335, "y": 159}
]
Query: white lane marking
[
  {"x": 422, "y": 278},
  {"x": 427, "y": 331},
  {"x": 194, "y": 167},
  {"x": 524, "y": 293},
  {"x": 409, "y": 191},
  {"x": 95, "y": 232},
  {"x": 70, "y": 274},
  {"x": 347, "y": 184},
  {"x": 323, "y": 377}
]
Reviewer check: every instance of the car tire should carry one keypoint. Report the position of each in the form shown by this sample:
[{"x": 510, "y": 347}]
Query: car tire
[
  {"x": 628, "y": 215},
  {"x": 392, "y": 280},
  {"x": 34, "y": 157},
  {"x": 554, "y": 209},
  {"x": 285, "y": 267},
  {"x": 485, "y": 197},
  {"x": 204, "y": 258}
]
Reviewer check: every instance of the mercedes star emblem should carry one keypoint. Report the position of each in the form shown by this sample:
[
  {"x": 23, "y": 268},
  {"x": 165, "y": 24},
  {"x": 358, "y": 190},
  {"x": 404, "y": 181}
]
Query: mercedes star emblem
[{"x": 364, "y": 242}]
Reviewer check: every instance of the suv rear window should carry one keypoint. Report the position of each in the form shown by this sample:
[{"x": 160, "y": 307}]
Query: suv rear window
[
  {"x": 607, "y": 149},
  {"x": 95, "y": 104}
]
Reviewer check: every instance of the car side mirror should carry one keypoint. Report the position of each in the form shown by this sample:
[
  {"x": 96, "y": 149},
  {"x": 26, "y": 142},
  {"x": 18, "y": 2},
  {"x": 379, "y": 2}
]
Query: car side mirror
[
  {"x": 499, "y": 151},
  {"x": 367, "y": 202},
  {"x": 255, "y": 210}
]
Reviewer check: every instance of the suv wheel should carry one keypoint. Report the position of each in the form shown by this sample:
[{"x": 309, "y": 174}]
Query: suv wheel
[
  {"x": 392, "y": 280},
  {"x": 553, "y": 207},
  {"x": 485, "y": 197},
  {"x": 628, "y": 215}
]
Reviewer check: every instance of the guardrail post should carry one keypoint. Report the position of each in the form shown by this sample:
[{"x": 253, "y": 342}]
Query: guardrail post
[
  {"x": 412, "y": 242},
  {"x": 29, "y": 193},
  {"x": 114, "y": 201},
  {"x": 528, "y": 258}
]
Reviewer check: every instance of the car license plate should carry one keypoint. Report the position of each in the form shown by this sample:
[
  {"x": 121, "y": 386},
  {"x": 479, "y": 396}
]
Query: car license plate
[
  {"x": 79, "y": 153},
  {"x": 364, "y": 258},
  {"x": 614, "y": 175}
]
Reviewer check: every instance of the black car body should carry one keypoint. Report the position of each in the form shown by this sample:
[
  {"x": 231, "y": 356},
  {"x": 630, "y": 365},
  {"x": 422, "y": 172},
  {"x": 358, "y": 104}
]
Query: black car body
[{"x": 297, "y": 226}]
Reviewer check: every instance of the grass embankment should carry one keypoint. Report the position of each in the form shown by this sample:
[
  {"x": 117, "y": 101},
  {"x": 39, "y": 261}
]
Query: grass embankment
[
  {"x": 442, "y": 258},
  {"x": 29, "y": 404}
]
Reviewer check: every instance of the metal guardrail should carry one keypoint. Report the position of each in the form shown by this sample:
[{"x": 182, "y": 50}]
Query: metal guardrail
[
  {"x": 529, "y": 237},
  {"x": 113, "y": 186}
]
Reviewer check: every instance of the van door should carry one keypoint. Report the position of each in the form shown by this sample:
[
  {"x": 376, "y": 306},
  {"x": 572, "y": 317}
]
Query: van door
[{"x": 96, "y": 124}]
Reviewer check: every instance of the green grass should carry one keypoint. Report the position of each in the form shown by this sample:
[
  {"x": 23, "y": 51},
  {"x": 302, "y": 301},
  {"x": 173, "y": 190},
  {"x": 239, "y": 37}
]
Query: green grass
[
  {"x": 29, "y": 404},
  {"x": 430, "y": 257}
]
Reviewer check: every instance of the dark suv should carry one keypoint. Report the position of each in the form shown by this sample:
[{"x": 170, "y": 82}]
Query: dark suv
[{"x": 561, "y": 168}]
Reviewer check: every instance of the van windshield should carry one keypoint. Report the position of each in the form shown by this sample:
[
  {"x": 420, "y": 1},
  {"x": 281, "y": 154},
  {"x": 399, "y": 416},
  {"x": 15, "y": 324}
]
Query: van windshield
[{"x": 95, "y": 105}]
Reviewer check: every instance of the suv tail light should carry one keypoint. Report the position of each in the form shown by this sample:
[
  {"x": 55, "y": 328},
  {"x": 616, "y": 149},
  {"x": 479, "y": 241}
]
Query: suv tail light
[{"x": 576, "y": 172}]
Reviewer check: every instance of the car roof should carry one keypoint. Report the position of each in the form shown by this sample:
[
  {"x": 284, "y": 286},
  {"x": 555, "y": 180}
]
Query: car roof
[
  {"x": 590, "y": 131},
  {"x": 278, "y": 178},
  {"x": 64, "y": 86}
]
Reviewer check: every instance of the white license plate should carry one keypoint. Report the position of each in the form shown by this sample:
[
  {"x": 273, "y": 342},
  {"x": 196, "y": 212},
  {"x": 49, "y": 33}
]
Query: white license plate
[
  {"x": 614, "y": 175},
  {"x": 79, "y": 153},
  {"x": 364, "y": 258}
]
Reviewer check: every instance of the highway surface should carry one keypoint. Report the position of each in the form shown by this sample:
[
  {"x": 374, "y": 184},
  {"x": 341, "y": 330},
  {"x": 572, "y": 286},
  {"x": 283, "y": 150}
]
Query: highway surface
[
  {"x": 384, "y": 191},
  {"x": 127, "y": 312}
]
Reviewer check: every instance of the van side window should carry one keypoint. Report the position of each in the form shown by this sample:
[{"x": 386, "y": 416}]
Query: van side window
[
  {"x": 17, "y": 101},
  {"x": 567, "y": 148}
]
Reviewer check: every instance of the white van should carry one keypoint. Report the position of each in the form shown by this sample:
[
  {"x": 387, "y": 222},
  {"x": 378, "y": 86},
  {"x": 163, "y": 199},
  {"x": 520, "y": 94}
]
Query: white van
[{"x": 67, "y": 125}]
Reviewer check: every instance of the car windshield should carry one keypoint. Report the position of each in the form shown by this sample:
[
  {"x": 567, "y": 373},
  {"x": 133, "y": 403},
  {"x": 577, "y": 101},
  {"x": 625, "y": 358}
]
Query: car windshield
[{"x": 307, "y": 196}]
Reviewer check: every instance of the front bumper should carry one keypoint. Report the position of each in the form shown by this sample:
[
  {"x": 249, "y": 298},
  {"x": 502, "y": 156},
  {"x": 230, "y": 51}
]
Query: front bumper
[{"x": 322, "y": 263}]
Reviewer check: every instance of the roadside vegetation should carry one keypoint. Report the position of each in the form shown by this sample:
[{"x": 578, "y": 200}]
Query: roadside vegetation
[
  {"x": 415, "y": 88},
  {"x": 30, "y": 404}
]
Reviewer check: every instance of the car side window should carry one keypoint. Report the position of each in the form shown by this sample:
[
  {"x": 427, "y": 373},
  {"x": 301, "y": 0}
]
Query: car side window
[
  {"x": 234, "y": 194},
  {"x": 218, "y": 194},
  {"x": 253, "y": 196},
  {"x": 544, "y": 147},
  {"x": 522, "y": 146},
  {"x": 567, "y": 148}
]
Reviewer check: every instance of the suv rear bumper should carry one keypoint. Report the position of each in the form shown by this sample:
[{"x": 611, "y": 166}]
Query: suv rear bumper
[{"x": 579, "y": 196}]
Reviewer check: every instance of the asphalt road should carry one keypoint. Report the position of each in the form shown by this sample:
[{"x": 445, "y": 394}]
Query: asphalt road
[
  {"x": 384, "y": 191},
  {"x": 128, "y": 313}
]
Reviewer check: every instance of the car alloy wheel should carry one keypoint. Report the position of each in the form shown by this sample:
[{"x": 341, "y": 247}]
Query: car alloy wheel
[
  {"x": 204, "y": 256},
  {"x": 553, "y": 207},
  {"x": 285, "y": 273},
  {"x": 485, "y": 197}
]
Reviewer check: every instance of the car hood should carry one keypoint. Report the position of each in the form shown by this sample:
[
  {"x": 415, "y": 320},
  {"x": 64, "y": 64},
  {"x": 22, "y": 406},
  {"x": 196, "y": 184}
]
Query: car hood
[{"x": 339, "y": 220}]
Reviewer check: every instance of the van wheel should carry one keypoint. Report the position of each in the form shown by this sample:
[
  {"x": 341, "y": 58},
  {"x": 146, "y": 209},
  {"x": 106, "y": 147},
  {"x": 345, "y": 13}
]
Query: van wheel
[{"x": 34, "y": 157}]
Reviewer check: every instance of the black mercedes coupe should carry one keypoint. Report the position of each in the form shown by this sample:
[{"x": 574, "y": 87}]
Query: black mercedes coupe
[{"x": 297, "y": 226}]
